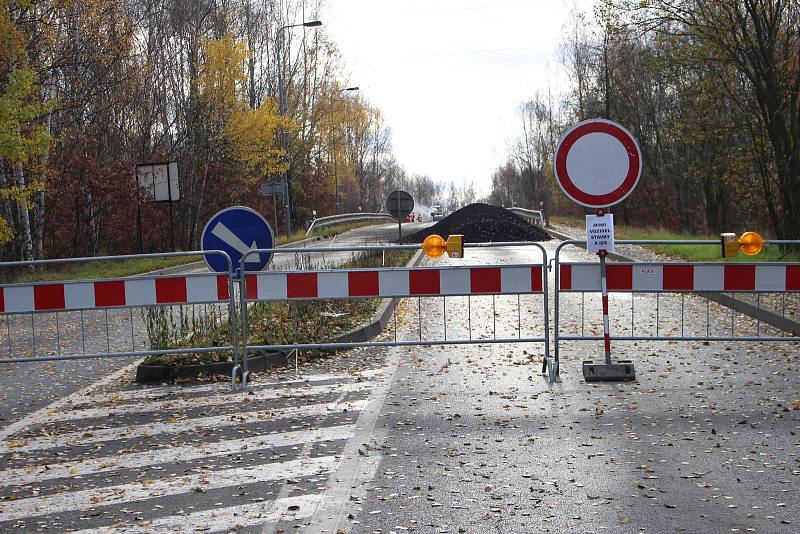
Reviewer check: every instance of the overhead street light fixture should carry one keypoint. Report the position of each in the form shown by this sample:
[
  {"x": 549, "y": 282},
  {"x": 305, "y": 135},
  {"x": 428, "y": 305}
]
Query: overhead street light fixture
[
  {"x": 283, "y": 111},
  {"x": 335, "y": 165}
]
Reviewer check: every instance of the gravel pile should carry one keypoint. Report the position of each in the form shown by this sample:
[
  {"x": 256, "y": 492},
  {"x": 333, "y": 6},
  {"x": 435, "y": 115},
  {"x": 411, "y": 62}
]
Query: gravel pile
[{"x": 481, "y": 223}]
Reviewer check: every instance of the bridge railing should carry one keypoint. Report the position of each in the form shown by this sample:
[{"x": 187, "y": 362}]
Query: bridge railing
[
  {"x": 533, "y": 216},
  {"x": 347, "y": 218}
]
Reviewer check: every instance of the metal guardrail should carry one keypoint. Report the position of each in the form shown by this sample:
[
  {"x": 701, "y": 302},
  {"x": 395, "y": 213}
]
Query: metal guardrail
[
  {"x": 534, "y": 216},
  {"x": 347, "y": 218}
]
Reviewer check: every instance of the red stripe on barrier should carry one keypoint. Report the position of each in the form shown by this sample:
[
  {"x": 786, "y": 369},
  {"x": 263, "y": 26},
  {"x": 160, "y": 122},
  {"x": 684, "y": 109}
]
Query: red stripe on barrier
[
  {"x": 2, "y": 301},
  {"x": 740, "y": 278},
  {"x": 301, "y": 286},
  {"x": 678, "y": 277},
  {"x": 565, "y": 277},
  {"x": 793, "y": 278},
  {"x": 110, "y": 293},
  {"x": 222, "y": 287},
  {"x": 424, "y": 282},
  {"x": 536, "y": 279},
  {"x": 169, "y": 290},
  {"x": 363, "y": 283},
  {"x": 48, "y": 297},
  {"x": 619, "y": 277},
  {"x": 484, "y": 280},
  {"x": 251, "y": 286}
]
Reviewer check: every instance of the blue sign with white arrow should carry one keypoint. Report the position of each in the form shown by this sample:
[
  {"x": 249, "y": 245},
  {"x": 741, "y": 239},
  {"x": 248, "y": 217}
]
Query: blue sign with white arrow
[{"x": 236, "y": 231}]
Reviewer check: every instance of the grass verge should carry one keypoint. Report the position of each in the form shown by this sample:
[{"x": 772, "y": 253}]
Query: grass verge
[
  {"x": 119, "y": 268},
  {"x": 771, "y": 253},
  {"x": 94, "y": 269}
]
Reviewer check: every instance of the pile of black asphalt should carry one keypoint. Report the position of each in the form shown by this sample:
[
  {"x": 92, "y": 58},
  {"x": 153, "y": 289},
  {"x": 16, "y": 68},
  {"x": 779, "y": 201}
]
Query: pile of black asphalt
[{"x": 482, "y": 223}]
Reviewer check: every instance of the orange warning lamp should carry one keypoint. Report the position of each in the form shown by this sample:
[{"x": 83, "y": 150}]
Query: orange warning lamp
[
  {"x": 751, "y": 243},
  {"x": 434, "y": 246}
]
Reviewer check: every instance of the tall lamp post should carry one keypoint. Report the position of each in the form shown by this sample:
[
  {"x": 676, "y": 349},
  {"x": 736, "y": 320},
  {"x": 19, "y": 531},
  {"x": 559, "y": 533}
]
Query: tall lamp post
[
  {"x": 335, "y": 170},
  {"x": 282, "y": 111}
]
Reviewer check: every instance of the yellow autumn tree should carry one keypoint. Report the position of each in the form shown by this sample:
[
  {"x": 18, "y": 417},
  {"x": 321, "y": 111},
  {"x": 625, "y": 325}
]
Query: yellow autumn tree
[
  {"x": 22, "y": 136},
  {"x": 248, "y": 133}
]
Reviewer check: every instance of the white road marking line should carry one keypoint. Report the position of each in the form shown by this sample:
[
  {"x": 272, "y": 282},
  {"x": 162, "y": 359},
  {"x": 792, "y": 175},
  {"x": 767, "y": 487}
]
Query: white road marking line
[
  {"x": 164, "y": 455},
  {"x": 218, "y": 387},
  {"x": 219, "y": 519},
  {"x": 90, "y": 436},
  {"x": 286, "y": 489},
  {"x": 172, "y": 405},
  {"x": 41, "y": 414},
  {"x": 354, "y": 471},
  {"x": 155, "y": 489}
]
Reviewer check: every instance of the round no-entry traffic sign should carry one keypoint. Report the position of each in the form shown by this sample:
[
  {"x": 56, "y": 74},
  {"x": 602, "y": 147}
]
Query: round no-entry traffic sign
[{"x": 597, "y": 163}]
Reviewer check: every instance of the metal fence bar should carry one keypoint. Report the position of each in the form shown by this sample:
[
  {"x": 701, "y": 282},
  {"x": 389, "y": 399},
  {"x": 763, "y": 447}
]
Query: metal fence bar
[
  {"x": 412, "y": 343},
  {"x": 444, "y": 315},
  {"x": 58, "y": 336},
  {"x": 469, "y": 315},
  {"x": 124, "y": 354},
  {"x": 685, "y": 338},
  {"x": 419, "y": 316},
  {"x": 33, "y": 333},
  {"x": 83, "y": 334},
  {"x": 494, "y": 317}
]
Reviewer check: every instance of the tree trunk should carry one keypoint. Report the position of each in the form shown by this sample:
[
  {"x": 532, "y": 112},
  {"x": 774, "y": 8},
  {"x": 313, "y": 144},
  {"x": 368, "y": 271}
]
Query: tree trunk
[
  {"x": 38, "y": 226},
  {"x": 26, "y": 245}
]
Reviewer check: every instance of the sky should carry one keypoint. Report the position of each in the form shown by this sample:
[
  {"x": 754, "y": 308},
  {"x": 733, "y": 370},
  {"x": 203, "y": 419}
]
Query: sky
[{"x": 449, "y": 75}]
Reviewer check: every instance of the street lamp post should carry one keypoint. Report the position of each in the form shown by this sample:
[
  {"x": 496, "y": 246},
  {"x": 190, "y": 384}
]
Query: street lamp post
[
  {"x": 282, "y": 111},
  {"x": 335, "y": 160}
]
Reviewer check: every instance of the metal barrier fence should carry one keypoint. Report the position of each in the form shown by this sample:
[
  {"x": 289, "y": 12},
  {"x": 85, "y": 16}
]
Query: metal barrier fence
[
  {"x": 428, "y": 283},
  {"x": 54, "y": 320},
  {"x": 661, "y": 285},
  {"x": 65, "y": 320}
]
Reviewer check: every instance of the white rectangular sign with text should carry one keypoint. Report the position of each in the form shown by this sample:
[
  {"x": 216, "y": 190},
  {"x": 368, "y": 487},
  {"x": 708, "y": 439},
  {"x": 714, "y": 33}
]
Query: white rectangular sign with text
[{"x": 600, "y": 233}]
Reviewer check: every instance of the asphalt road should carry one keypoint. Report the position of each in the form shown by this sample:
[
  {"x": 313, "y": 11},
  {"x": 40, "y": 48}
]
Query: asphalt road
[
  {"x": 441, "y": 439},
  {"x": 705, "y": 441},
  {"x": 26, "y": 387}
]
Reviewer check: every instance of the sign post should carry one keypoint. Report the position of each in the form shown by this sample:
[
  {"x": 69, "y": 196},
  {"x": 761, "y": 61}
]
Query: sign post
[
  {"x": 399, "y": 204},
  {"x": 598, "y": 164},
  {"x": 274, "y": 189}
]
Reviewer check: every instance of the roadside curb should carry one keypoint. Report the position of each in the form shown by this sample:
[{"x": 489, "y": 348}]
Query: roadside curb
[
  {"x": 146, "y": 374},
  {"x": 760, "y": 314}
]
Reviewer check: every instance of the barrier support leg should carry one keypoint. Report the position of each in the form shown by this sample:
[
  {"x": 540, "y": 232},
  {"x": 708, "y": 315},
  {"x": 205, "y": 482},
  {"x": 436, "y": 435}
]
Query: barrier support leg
[{"x": 609, "y": 371}]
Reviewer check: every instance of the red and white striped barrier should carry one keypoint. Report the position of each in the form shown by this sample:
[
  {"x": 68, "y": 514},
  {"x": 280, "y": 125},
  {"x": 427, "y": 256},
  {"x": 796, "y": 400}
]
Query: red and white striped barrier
[
  {"x": 121, "y": 293},
  {"x": 677, "y": 277},
  {"x": 395, "y": 283}
]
